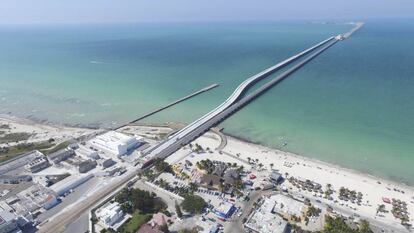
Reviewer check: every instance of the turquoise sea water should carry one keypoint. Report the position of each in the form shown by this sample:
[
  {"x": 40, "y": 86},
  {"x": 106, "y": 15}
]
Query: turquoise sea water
[{"x": 351, "y": 106}]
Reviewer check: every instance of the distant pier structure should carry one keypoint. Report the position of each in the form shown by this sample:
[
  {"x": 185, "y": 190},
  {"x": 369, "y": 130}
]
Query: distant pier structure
[
  {"x": 205, "y": 89},
  {"x": 346, "y": 35}
]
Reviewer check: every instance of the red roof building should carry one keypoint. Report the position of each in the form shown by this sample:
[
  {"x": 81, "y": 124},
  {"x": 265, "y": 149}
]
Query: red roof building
[{"x": 147, "y": 228}]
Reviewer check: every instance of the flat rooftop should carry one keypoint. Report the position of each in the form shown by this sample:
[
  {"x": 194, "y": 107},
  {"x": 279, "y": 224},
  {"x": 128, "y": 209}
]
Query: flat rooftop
[
  {"x": 264, "y": 221},
  {"x": 287, "y": 205}
]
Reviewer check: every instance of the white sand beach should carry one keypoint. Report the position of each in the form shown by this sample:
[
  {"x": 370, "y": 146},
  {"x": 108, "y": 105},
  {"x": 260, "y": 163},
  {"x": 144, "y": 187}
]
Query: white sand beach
[
  {"x": 372, "y": 188},
  {"x": 40, "y": 132}
]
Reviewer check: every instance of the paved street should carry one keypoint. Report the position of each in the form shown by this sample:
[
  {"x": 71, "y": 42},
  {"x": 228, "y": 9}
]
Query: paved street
[{"x": 236, "y": 223}]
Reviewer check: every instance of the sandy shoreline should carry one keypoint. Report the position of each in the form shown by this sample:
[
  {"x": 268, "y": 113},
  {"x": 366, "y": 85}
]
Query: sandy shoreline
[
  {"x": 7, "y": 117},
  {"x": 313, "y": 160},
  {"x": 37, "y": 132},
  {"x": 43, "y": 122}
]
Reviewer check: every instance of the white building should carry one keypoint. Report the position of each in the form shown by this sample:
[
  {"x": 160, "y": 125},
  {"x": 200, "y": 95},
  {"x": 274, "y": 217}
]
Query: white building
[
  {"x": 69, "y": 183},
  {"x": 116, "y": 143},
  {"x": 50, "y": 201},
  {"x": 263, "y": 220},
  {"x": 287, "y": 206},
  {"x": 110, "y": 214}
]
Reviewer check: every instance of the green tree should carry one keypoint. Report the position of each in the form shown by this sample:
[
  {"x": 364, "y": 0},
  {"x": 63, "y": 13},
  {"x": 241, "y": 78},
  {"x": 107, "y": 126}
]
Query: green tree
[
  {"x": 178, "y": 210},
  {"x": 142, "y": 200},
  {"x": 193, "y": 204},
  {"x": 381, "y": 209},
  {"x": 221, "y": 187},
  {"x": 338, "y": 225},
  {"x": 107, "y": 230},
  {"x": 313, "y": 211},
  {"x": 193, "y": 187},
  {"x": 122, "y": 196},
  {"x": 164, "y": 228},
  {"x": 162, "y": 166},
  {"x": 364, "y": 226},
  {"x": 238, "y": 184}
]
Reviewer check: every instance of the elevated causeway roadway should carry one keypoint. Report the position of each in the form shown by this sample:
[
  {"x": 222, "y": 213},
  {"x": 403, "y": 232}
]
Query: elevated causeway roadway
[
  {"x": 239, "y": 91},
  {"x": 235, "y": 101}
]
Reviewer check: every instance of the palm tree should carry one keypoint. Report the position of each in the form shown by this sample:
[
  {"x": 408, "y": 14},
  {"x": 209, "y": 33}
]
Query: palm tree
[
  {"x": 364, "y": 226},
  {"x": 221, "y": 187},
  {"x": 193, "y": 187},
  {"x": 381, "y": 208},
  {"x": 342, "y": 191},
  {"x": 162, "y": 183},
  {"x": 271, "y": 165},
  {"x": 404, "y": 220}
]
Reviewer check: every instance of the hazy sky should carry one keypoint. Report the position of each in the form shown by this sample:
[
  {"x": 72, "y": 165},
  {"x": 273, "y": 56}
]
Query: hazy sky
[{"x": 92, "y": 11}]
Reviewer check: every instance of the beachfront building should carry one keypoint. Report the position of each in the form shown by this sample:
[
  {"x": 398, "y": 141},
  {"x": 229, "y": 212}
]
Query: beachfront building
[
  {"x": 231, "y": 176},
  {"x": 210, "y": 181},
  {"x": 264, "y": 220},
  {"x": 276, "y": 177},
  {"x": 110, "y": 214},
  {"x": 116, "y": 143},
  {"x": 289, "y": 208}
]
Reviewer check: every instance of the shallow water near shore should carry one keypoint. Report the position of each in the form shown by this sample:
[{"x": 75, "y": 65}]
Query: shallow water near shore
[{"x": 351, "y": 106}]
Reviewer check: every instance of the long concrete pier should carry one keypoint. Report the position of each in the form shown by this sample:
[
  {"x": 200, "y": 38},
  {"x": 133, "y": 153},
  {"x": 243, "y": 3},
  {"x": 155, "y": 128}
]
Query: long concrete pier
[
  {"x": 205, "y": 89},
  {"x": 231, "y": 100},
  {"x": 358, "y": 25},
  {"x": 178, "y": 143}
]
